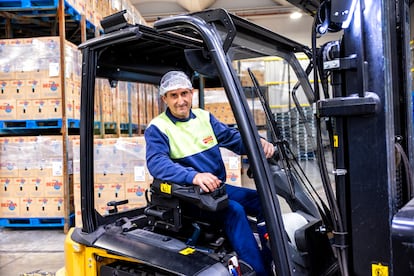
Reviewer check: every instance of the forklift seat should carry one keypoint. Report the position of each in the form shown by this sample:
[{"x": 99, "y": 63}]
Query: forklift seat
[{"x": 167, "y": 199}]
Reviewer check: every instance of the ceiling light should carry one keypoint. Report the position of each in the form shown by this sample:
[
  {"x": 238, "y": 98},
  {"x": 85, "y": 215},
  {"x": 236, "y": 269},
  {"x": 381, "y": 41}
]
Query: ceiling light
[{"x": 295, "y": 15}]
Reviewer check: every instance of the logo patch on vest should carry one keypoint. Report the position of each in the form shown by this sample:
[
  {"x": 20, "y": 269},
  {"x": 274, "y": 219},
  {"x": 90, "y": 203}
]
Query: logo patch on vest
[{"x": 208, "y": 140}]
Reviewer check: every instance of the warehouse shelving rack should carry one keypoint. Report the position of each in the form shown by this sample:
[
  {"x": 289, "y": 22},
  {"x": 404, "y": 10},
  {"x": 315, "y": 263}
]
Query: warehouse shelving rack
[
  {"x": 35, "y": 18},
  {"x": 63, "y": 19}
]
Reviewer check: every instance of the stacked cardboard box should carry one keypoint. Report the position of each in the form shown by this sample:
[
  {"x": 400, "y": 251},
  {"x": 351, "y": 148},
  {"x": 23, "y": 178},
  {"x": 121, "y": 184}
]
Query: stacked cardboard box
[
  {"x": 95, "y": 10},
  {"x": 148, "y": 99},
  {"x": 31, "y": 177},
  {"x": 232, "y": 162},
  {"x": 217, "y": 103},
  {"x": 126, "y": 103},
  {"x": 120, "y": 173},
  {"x": 30, "y": 84}
]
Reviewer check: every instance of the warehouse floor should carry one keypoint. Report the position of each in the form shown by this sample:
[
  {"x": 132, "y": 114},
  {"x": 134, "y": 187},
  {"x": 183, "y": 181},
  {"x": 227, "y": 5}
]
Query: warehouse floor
[
  {"x": 40, "y": 252},
  {"x": 31, "y": 251}
]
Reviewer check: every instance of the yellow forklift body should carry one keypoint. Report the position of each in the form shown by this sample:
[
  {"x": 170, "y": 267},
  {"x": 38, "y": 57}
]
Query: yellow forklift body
[{"x": 81, "y": 260}]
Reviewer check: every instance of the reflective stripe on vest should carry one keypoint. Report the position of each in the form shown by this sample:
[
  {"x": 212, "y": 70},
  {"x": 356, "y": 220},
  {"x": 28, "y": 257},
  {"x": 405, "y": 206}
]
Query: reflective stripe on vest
[{"x": 190, "y": 137}]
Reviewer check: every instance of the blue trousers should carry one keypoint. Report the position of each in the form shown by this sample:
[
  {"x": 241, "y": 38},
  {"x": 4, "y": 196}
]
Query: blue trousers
[{"x": 242, "y": 202}]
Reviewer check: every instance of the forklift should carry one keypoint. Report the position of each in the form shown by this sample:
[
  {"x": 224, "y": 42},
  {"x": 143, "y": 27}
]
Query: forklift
[{"x": 361, "y": 93}]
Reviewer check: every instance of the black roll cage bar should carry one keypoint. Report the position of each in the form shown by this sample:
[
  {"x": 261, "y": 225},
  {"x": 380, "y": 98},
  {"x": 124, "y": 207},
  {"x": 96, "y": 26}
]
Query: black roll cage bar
[{"x": 219, "y": 34}]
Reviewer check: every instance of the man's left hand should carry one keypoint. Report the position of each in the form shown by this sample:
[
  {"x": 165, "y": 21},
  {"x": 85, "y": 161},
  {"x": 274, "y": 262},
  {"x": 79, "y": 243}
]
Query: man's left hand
[{"x": 268, "y": 148}]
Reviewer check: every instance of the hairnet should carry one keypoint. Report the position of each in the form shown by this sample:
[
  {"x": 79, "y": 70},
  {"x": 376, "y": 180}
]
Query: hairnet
[{"x": 173, "y": 80}]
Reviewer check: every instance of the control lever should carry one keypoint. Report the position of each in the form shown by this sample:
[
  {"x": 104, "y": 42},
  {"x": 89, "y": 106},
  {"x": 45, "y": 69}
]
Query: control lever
[{"x": 115, "y": 204}]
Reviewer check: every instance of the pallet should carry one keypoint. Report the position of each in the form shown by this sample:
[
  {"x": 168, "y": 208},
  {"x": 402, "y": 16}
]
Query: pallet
[
  {"x": 34, "y": 222},
  {"x": 305, "y": 156},
  {"x": 37, "y": 124},
  {"x": 126, "y": 126},
  {"x": 45, "y": 9},
  {"x": 42, "y": 4}
]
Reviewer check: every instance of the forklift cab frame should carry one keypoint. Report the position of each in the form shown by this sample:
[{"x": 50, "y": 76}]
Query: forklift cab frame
[{"x": 203, "y": 45}]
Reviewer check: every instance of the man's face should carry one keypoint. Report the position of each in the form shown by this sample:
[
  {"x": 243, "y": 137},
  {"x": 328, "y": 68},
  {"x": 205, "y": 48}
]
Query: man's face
[{"x": 179, "y": 102}]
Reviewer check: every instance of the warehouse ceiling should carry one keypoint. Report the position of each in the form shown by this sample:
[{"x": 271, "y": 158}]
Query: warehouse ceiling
[
  {"x": 271, "y": 14},
  {"x": 153, "y": 9}
]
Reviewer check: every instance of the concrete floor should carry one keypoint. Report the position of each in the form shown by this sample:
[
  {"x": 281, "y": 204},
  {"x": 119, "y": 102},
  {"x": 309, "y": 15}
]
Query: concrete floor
[
  {"x": 40, "y": 252},
  {"x": 31, "y": 251}
]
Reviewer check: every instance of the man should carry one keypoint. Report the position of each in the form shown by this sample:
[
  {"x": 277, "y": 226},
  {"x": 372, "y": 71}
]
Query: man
[{"x": 183, "y": 146}]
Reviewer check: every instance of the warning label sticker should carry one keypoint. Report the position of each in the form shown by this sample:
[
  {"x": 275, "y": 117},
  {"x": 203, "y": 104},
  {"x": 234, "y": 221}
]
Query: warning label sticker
[{"x": 379, "y": 269}]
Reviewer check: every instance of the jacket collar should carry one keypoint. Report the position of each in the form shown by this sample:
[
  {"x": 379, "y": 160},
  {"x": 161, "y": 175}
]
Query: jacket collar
[{"x": 175, "y": 119}]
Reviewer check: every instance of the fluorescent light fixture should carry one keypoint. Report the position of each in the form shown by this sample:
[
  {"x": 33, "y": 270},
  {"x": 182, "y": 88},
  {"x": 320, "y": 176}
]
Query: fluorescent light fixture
[{"x": 295, "y": 15}]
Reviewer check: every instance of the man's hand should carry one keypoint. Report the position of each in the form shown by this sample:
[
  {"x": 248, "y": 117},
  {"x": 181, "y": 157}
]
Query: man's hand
[
  {"x": 268, "y": 148},
  {"x": 208, "y": 182}
]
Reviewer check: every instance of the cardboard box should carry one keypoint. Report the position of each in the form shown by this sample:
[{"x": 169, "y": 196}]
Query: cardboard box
[
  {"x": 29, "y": 207},
  {"x": 50, "y": 207},
  {"x": 102, "y": 208},
  {"x": 25, "y": 109},
  {"x": 40, "y": 167},
  {"x": 5, "y": 145},
  {"x": 53, "y": 108},
  {"x": 7, "y": 90},
  {"x": 135, "y": 193},
  {"x": 76, "y": 110},
  {"x": 19, "y": 89},
  {"x": 9, "y": 207},
  {"x": 111, "y": 171},
  {"x": 19, "y": 187},
  {"x": 6, "y": 184},
  {"x": 109, "y": 192},
  {"x": 50, "y": 146},
  {"x": 133, "y": 148},
  {"x": 107, "y": 149},
  {"x": 233, "y": 177},
  {"x": 75, "y": 149},
  {"x": 13, "y": 187},
  {"x": 7, "y": 71},
  {"x": 54, "y": 187},
  {"x": 8, "y": 109},
  {"x": 40, "y": 72},
  {"x": 107, "y": 178},
  {"x": 39, "y": 109},
  {"x": 138, "y": 171},
  {"x": 232, "y": 161},
  {"x": 8, "y": 168},
  {"x": 33, "y": 89},
  {"x": 51, "y": 88},
  {"x": 36, "y": 186},
  {"x": 76, "y": 171},
  {"x": 76, "y": 192},
  {"x": 29, "y": 167},
  {"x": 78, "y": 215}
]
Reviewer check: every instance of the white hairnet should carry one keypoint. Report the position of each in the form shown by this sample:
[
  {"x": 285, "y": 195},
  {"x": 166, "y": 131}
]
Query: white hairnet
[{"x": 174, "y": 80}]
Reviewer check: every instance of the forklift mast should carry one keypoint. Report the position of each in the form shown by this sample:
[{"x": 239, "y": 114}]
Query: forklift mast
[{"x": 372, "y": 116}]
